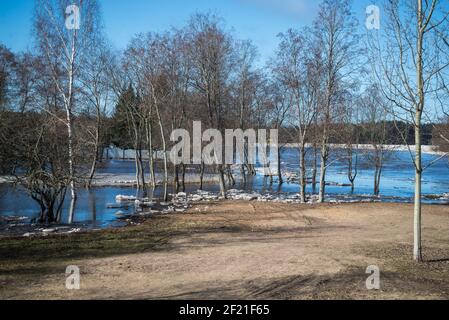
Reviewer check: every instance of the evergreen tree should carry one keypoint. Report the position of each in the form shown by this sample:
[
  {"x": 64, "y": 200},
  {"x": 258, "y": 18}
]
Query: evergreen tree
[{"x": 120, "y": 129}]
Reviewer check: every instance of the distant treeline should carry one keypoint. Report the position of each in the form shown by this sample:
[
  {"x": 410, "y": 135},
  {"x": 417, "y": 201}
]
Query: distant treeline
[{"x": 397, "y": 133}]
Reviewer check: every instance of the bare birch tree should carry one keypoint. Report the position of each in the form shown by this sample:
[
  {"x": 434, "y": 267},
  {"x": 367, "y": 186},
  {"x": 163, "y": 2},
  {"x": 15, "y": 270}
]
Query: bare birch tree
[
  {"x": 298, "y": 70},
  {"x": 64, "y": 30},
  {"x": 374, "y": 117},
  {"x": 96, "y": 93},
  {"x": 410, "y": 55},
  {"x": 336, "y": 35},
  {"x": 246, "y": 76},
  {"x": 211, "y": 56}
]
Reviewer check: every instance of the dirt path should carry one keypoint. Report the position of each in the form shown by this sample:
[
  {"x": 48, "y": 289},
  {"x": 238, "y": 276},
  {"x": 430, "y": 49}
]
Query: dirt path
[{"x": 241, "y": 250}]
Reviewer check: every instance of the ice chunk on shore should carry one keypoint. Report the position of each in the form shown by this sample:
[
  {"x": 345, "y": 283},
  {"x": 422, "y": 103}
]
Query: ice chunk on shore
[
  {"x": 122, "y": 198},
  {"x": 240, "y": 195}
]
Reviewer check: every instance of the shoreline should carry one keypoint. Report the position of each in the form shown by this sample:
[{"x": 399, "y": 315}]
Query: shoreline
[
  {"x": 182, "y": 203},
  {"x": 129, "y": 180},
  {"x": 432, "y": 150},
  {"x": 129, "y": 154}
]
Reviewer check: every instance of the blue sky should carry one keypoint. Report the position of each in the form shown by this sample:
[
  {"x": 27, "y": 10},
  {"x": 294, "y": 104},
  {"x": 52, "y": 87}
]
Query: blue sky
[{"x": 258, "y": 20}]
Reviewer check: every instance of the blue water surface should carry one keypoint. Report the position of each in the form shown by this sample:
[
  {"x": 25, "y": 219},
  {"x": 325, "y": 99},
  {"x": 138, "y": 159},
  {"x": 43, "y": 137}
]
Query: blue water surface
[{"x": 397, "y": 185}]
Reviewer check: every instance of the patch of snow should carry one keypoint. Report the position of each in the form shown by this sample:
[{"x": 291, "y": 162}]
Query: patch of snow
[{"x": 123, "y": 198}]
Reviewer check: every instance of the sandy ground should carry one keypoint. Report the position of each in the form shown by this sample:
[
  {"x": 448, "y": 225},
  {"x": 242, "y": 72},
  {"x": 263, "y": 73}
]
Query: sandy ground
[{"x": 249, "y": 250}]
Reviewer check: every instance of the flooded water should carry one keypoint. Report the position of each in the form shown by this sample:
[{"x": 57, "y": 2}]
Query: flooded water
[{"x": 397, "y": 185}]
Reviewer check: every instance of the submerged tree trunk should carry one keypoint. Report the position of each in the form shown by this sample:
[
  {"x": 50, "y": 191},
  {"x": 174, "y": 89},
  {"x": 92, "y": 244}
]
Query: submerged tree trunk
[
  {"x": 222, "y": 183},
  {"x": 50, "y": 200},
  {"x": 201, "y": 175},
  {"x": 93, "y": 168},
  {"x": 165, "y": 171},
  {"x": 97, "y": 155},
  {"x": 243, "y": 173},
  {"x": 142, "y": 173},
  {"x": 377, "y": 176},
  {"x": 302, "y": 172},
  {"x": 61, "y": 203},
  {"x": 176, "y": 178},
  {"x": 183, "y": 186},
  {"x": 149, "y": 129},
  {"x": 280, "y": 179},
  {"x": 164, "y": 150},
  {"x": 324, "y": 156},
  {"x": 231, "y": 179},
  {"x": 136, "y": 160},
  {"x": 352, "y": 168},
  {"x": 152, "y": 170},
  {"x": 314, "y": 167}
]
